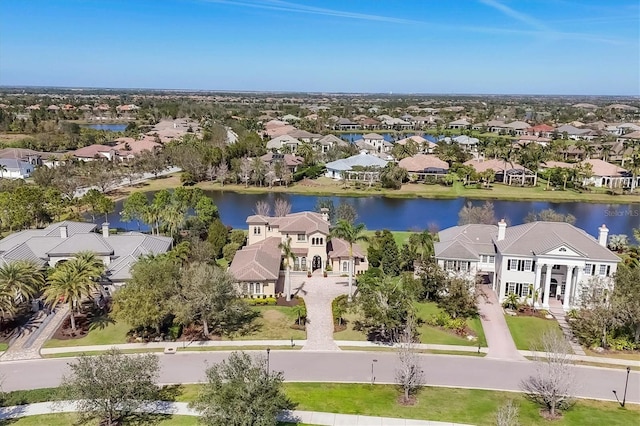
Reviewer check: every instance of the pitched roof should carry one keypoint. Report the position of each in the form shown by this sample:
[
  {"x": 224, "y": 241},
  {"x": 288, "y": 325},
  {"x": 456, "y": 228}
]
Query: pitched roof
[
  {"x": 91, "y": 150},
  {"x": 602, "y": 168},
  {"x": 363, "y": 160},
  {"x": 422, "y": 162},
  {"x": 542, "y": 237},
  {"x": 337, "y": 247},
  {"x": 277, "y": 142},
  {"x": 39, "y": 245},
  {"x": 332, "y": 140},
  {"x": 257, "y": 262},
  {"x": 373, "y": 136},
  {"x": 496, "y": 164},
  {"x": 465, "y": 241}
]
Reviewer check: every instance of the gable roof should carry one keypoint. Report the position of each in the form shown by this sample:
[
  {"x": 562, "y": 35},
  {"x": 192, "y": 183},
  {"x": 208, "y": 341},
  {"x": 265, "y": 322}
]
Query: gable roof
[
  {"x": 498, "y": 165},
  {"x": 602, "y": 168},
  {"x": 542, "y": 237},
  {"x": 302, "y": 222}
]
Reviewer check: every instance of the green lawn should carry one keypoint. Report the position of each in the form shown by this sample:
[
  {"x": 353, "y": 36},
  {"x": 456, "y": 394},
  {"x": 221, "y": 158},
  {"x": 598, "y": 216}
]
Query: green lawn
[
  {"x": 71, "y": 419},
  {"x": 428, "y": 334},
  {"x": 273, "y": 325},
  {"x": 526, "y": 331},
  {"x": 4, "y": 346},
  {"x": 111, "y": 334},
  {"x": 470, "y": 406}
]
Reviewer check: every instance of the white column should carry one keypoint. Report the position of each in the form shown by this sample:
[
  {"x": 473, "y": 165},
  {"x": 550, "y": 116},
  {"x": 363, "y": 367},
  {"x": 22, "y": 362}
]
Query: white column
[
  {"x": 536, "y": 284},
  {"x": 547, "y": 286},
  {"x": 577, "y": 286},
  {"x": 567, "y": 288}
]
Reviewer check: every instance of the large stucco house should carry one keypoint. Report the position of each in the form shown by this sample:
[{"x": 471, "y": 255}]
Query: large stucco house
[
  {"x": 62, "y": 241},
  {"x": 554, "y": 260},
  {"x": 259, "y": 268}
]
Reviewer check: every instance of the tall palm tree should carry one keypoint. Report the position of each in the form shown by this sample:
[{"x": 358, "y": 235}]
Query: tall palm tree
[
  {"x": 72, "y": 281},
  {"x": 288, "y": 256},
  {"x": 351, "y": 234}
]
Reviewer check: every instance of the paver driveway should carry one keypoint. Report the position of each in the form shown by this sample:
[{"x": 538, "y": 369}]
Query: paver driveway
[{"x": 318, "y": 292}]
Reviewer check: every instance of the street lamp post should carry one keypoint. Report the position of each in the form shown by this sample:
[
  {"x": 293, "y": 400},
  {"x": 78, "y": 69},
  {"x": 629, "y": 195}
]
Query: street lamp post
[
  {"x": 373, "y": 377},
  {"x": 268, "y": 351},
  {"x": 624, "y": 396}
]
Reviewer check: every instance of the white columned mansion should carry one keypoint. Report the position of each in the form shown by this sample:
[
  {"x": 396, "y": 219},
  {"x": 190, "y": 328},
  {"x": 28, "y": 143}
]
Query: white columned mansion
[{"x": 538, "y": 261}]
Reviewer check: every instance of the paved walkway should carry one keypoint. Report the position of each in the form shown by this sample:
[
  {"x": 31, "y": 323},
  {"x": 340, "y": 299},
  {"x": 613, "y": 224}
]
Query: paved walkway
[
  {"x": 556, "y": 309},
  {"x": 318, "y": 292},
  {"x": 182, "y": 409},
  {"x": 495, "y": 327},
  {"x": 29, "y": 341}
]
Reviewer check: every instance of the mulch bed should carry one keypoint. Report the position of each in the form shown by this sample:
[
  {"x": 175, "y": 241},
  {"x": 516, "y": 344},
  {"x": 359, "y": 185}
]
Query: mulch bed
[
  {"x": 64, "y": 332},
  {"x": 281, "y": 301}
]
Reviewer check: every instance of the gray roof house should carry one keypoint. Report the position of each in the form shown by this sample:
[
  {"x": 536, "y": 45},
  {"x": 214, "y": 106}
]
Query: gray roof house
[
  {"x": 63, "y": 240},
  {"x": 336, "y": 169},
  {"x": 280, "y": 142},
  {"x": 12, "y": 168},
  {"x": 543, "y": 262}
]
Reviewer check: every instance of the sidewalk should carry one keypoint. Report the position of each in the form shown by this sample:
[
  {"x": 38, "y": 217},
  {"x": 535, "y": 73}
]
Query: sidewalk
[
  {"x": 275, "y": 344},
  {"x": 182, "y": 409}
]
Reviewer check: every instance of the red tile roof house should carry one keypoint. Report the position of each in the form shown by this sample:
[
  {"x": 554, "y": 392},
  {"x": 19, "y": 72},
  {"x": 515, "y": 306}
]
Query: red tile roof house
[
  {"x": 258, "y": 267},
  {"x": 95, "y": 152},
  {"x": 129, "y": 148}
]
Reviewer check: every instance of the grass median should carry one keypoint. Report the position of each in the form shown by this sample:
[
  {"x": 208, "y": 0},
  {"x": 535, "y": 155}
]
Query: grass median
[{"x": 471, "y": 406}]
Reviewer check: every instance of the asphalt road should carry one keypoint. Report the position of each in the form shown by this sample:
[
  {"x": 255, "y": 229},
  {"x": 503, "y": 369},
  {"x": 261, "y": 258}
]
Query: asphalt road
[{"x": 440, "y": 370}]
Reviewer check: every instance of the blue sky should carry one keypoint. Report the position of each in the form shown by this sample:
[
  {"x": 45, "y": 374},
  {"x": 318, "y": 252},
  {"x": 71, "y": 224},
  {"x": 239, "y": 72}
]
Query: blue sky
[{"x": 399, "y": 46}]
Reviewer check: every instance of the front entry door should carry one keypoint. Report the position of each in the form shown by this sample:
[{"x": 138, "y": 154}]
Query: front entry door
[{"x": 317, "y": 262}]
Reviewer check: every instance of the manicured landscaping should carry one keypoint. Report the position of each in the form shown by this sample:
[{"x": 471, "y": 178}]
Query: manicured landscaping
[
  {"x": 325, "y": 187},
  {"x": 428, "y": 334},
  {"x": 71, "y": 419},
  {"x": 275, "y": 324},
  {"x": 111, "y": 333},
  {"x": 471, "y": 406},
  {"x": 527, "y": 331}
]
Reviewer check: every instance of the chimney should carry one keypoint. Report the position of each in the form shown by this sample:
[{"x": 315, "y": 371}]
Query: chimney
[
  {"x": 325, "y": 214},
  {"x": 603, "y": 234},
  {"x": 63, "y": 231},
  {"x": 105, "y": 230},
  {"x": 502, "y": 229}
]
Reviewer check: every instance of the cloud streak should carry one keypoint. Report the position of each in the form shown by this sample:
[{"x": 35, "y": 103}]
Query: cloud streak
[
  {"x": 285, "y": 6},
  {"x": 538, "y": 28}
]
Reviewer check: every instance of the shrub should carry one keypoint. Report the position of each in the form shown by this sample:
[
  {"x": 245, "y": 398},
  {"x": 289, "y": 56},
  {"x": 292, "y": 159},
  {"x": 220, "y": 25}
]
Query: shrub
[
  {"x": 622, "y": 343},
  {"x": 270, "y": 301},
  {"x": 174, "y": 331}
]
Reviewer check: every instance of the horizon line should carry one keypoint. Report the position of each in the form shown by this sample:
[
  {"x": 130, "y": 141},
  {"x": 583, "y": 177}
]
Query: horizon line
[{"x": 319, "y": 92}]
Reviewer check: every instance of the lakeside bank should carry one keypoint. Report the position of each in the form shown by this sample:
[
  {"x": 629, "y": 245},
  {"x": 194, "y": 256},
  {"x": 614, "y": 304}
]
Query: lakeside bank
[{"x": 325, "y": 187}]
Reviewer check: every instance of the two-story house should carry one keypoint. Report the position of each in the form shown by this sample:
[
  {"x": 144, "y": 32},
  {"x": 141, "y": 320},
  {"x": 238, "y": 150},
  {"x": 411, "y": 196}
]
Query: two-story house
[
  {"x": 259, "y": 264},
  {"x": 537, "y": 261}
]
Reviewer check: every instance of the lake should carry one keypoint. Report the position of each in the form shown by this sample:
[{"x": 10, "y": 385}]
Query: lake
[
  {"x": 402, "y": 214},
  {"x": 389, "y": 137},
  {"x": 107, "y": 127}
]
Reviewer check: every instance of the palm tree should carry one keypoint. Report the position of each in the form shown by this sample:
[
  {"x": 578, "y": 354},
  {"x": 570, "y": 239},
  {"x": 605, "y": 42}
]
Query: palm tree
[
  {"x": 23, "y": 279},
  {"x": 307, "y": 152},
  {"x": 72, "y": 281},
  {"x": 351, "y": 234},
  {"x": 288, "y": 257}
]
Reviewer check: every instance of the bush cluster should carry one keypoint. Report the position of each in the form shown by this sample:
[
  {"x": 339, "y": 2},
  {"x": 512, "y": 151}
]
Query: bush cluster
[
  {"x": 445, "y": 320},
  {"x": 266, "y": 301}
]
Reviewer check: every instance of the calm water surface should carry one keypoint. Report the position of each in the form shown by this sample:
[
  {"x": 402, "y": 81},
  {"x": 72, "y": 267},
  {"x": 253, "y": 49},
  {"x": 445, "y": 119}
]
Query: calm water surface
[
  {"x": 401, "y": 214},
  {"x": 107, "y": 127}
]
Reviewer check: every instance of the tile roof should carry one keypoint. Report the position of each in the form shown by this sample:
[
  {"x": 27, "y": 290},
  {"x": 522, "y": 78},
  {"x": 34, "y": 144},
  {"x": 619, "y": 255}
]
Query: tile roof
[
  {"x": 337, "y": 247},
  {"x": 257, "y": 262},
  {"x": 422, "y": 162}
]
